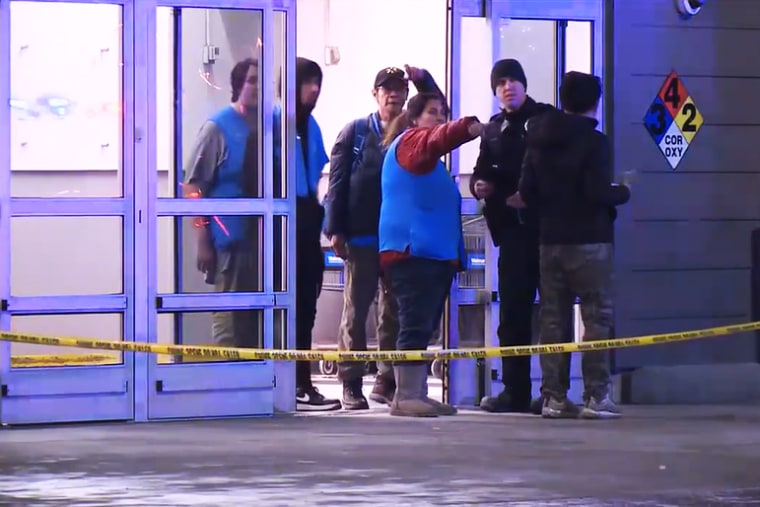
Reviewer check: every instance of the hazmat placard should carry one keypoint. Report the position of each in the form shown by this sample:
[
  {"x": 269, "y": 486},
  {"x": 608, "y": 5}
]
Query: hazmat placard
[{"x": 673, "y": 120}]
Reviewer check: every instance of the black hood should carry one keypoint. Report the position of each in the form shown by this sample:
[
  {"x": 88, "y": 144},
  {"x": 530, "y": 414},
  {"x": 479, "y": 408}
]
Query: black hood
[
  {"x": 305, "y": 70},
  {"x": 556, "y": 129}
]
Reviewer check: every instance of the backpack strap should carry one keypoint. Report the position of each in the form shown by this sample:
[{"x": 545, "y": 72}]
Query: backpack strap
[{"x": 361, "y": 129}]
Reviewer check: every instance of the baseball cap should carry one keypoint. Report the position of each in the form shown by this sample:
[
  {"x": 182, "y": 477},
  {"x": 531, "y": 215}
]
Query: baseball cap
[{"x": 390, "y": 74}]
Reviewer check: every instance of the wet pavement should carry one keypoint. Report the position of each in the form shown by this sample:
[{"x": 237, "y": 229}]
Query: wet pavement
[{"x": 656, "y": 456}]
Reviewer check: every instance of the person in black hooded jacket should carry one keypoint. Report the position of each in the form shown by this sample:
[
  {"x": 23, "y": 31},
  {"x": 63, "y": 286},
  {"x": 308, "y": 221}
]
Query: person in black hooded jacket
[
  {"x": 309, "y": 161},
  {"x": 513, "y": 230},
  {"x": 567, "y": 179}
]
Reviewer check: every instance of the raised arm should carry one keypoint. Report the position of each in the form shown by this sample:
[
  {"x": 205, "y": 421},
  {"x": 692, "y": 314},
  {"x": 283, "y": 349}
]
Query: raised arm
[
  {"x": 420, "y": 149},
  {"x": 424, "y": 83}
]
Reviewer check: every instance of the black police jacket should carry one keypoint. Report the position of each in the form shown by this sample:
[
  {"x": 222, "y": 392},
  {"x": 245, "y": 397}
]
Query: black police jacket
[{"x": 499, "y": 162}]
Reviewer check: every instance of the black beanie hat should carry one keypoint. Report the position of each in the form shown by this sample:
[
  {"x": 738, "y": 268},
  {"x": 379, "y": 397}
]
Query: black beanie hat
[{"x": 507, "y": 68}]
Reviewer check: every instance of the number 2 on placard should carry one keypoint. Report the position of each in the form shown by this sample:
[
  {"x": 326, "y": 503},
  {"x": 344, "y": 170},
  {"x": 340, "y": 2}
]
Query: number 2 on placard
[{"x": 690, "y": 110}]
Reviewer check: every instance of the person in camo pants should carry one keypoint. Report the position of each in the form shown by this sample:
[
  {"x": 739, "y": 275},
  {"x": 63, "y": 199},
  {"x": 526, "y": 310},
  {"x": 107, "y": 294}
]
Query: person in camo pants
[{"x": 567, "y": 176}]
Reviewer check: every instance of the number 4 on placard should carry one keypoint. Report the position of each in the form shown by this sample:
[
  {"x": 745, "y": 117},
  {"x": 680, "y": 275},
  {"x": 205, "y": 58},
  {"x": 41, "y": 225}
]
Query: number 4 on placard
[{"x": 672, "y": 95}]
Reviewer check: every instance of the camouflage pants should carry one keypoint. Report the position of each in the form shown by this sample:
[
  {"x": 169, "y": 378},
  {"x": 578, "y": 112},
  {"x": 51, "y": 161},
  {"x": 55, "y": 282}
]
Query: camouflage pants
[{"x": 567, "y": 272}]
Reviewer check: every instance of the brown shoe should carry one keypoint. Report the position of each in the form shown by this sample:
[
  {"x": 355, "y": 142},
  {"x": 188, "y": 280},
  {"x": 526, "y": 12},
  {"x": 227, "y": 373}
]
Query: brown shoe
[{"x": 384, "y": 389}]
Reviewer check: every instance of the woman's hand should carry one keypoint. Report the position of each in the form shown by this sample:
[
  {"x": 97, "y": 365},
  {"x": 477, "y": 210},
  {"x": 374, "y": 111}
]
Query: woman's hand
[
  {"x": 475, "y": 128},
  {"x": 414, "y": 73}
]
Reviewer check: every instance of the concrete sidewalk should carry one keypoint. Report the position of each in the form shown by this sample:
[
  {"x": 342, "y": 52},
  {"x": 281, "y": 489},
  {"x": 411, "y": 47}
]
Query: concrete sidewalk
[{"x": 655, "y": 456}]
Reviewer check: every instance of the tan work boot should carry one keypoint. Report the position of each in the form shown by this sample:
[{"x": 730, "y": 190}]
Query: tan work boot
[
  {"x": 409, "y": 400},
  {"x": 441, "y": 408}
]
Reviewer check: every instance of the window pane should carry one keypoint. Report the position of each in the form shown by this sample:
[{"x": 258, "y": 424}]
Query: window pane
[
  {"x": 101, "y": 326},
  {"x": 280, "y": 253},
  {"x": 66, "y": 100},
  {"x": 280, "y": 328},
  {"x": 475, "y": 95},
  {"x": 476, "y": 237},
  {"x": 534, "y": 44},
  {"x": 228, "y": 328},
  {"x": 280, "y": 177},
  {"x": 202, "y": 139},
  {"x": 210, "y": 254},
  {"x": 61, "y": 256},
  {"x": 578, "y": 43}
]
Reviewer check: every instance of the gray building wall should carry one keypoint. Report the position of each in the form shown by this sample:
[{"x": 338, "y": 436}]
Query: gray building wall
[{"x": 683, "y": 242}]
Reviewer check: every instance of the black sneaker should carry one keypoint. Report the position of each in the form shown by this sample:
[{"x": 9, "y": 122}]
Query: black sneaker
[
  {"x": 309, "y": 399},
  {"x": 384, "y": 390},
  {"x": 505, "y": 403},
  {"x": 353, "y": 397}
]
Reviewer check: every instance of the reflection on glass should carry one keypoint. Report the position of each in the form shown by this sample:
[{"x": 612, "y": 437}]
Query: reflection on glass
[
  {"x": 578, "y": 44},
  {"x": 66, "y": 256},
  {"x": 220, "y": 253},
  {"x": 234, "y": 328},
  {"x": 534, "y": 44},
  {"x": 280, "y": 176},
  {"x": 66, "y": 96},
  {"x": 280, "y": 328},
  {"x": 102, "y": 326},
  {"x": 280, "y": 253},
  {"x": 476, "y": 237},
  {"x": 209, "y": 133}
]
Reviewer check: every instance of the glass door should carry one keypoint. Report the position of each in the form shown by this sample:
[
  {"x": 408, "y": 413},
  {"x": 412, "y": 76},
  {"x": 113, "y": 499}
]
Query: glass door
[
  {"x": 220, "y": 203},
  {"x": 67, "y": 160},
  {"x": 549, "y": 38}
]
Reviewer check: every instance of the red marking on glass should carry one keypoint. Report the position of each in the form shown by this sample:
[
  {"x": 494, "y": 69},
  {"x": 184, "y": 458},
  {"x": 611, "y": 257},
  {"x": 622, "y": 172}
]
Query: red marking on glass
[{"x": 199, "y": 222}]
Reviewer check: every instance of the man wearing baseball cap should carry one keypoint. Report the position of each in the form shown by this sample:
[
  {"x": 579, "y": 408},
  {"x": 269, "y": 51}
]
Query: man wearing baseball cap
[
  {"x": 513, "y": 228},
  {"x": 352, "y": 218}
]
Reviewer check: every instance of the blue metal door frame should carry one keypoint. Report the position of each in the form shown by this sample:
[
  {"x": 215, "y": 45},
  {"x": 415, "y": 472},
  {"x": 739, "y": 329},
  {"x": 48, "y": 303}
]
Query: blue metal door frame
[
  {"x": 459, "y": 382},
  {"x": 214, "y": 389},
  {"x": 81, "y": 393},
  {"x": 127, "y": 391},
  {"x": 463, "y": 380}
]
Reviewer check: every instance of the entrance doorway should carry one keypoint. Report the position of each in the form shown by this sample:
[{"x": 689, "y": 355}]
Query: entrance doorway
[
  {"x": 548, "y": 38},
  {"x": 107, "y": 101}
]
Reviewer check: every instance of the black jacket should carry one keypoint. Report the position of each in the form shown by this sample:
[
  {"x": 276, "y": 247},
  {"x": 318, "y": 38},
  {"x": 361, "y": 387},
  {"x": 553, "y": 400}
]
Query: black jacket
[
  {"x": 500, "y": 162},
  {"x": 567, "y": 178},
  {"x": 354, "y": 193}
]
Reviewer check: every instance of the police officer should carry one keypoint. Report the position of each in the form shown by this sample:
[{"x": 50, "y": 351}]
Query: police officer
[{"x": 513, "y": 228}]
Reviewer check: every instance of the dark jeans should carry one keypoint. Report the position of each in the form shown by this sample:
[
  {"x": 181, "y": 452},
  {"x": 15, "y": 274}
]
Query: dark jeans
[
  {"x": 518, "y": 281},
  {"x": 420, "y": 287},
  {"x": 310, "y": 267}
]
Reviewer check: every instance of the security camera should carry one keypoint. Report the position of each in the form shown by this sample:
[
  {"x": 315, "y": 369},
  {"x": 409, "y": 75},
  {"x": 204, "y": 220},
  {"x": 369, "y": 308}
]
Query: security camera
[{"x": 689, "y": 8}]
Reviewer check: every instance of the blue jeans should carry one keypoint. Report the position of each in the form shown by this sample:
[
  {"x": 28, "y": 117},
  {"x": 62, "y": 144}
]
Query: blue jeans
[{"x": 420, "y": 287}]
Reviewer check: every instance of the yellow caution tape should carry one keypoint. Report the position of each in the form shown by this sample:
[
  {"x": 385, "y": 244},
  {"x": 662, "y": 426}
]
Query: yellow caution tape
[
  {"x": 231, "y": 353},
  {"x": 39, "y": 361}
]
